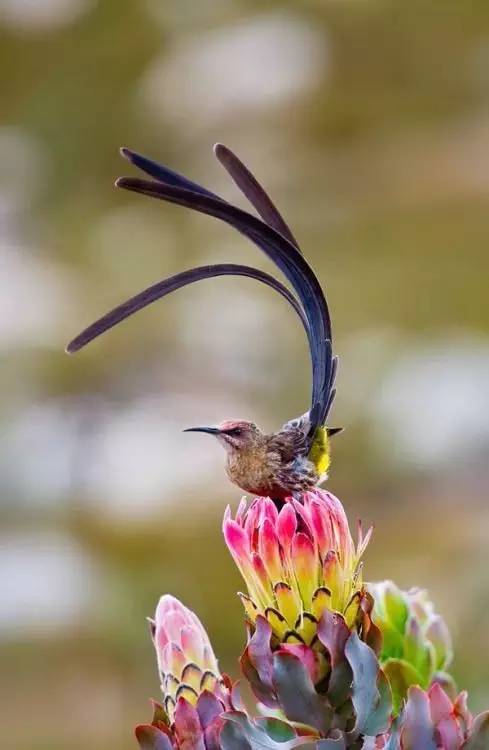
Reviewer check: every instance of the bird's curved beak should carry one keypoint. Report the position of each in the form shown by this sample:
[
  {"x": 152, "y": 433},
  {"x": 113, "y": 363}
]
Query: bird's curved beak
[{"x": 209, "y": 430}]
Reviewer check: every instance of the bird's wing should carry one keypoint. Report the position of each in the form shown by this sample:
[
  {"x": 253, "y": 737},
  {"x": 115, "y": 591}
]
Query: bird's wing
[
  {"x": 162, "y": 288},
  {"x": 256, "y": 194},
  {"x": 290, "y": 442}
]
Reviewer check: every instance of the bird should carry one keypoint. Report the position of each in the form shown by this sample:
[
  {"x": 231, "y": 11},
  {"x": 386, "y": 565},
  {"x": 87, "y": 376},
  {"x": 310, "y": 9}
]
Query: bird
[{"x": 296, "y": 458}]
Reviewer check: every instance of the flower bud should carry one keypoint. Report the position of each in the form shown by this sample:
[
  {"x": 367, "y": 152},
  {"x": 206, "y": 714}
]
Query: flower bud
[{"x": 186, "y": 661}]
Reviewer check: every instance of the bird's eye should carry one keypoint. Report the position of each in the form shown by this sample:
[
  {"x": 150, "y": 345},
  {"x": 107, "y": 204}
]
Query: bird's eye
[{"x": 237, "y": 431}]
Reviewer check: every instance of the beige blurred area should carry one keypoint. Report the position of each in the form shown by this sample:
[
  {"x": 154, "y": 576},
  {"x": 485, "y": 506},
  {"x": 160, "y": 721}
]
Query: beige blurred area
[{"x": 368, "y": 122}]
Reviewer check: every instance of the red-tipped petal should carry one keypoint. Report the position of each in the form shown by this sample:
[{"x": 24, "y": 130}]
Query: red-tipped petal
[
  {"x": 286, "y": 526},
  {"x": 237, "y": 542},
  {"x": 269, "y": 551},
  {"x": 305, "y": 567}
]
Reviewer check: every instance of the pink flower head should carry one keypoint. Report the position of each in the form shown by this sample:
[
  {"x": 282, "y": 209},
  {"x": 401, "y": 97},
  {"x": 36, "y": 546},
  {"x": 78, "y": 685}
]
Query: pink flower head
[
  {"x": 296, "y": 561},
  {"x": 186, "y": 661}
]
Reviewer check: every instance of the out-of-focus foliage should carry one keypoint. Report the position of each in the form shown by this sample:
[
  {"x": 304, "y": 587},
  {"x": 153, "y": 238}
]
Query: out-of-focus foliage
[
  {"x": 416, "y": 648},
  {"x": 368, "y": 123}
]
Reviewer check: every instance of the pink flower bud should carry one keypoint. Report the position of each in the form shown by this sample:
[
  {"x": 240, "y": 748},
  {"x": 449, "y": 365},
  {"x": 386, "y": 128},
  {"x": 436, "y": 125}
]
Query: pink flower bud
[{"x": 186, "y": 661}]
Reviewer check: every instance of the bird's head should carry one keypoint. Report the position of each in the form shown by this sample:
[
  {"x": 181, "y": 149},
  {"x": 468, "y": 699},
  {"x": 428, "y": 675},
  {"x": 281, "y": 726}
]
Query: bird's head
[{"x": 236, "y": 435}]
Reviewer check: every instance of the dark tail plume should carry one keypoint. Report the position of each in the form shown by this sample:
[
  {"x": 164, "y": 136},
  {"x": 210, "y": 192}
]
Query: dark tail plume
[{"x": 162, "y": 288}]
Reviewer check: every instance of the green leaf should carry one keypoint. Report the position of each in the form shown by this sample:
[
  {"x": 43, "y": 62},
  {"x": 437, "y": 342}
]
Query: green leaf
[
  {"x": 159, "y": 714},
  {"x": 393, "y": 640},
  {"x": 401, "y": 675},
  {"x": 396, "y": 607},
  {"x": 413, "y": 642},
  {"x": 277, "y": 729},
  {"x": 479, "y": 738},
  {"x": 297, "y": 695}
]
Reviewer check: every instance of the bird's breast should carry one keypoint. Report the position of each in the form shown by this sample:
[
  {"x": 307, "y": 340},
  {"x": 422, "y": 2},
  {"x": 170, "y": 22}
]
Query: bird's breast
[{"x": 254, "y": 473}]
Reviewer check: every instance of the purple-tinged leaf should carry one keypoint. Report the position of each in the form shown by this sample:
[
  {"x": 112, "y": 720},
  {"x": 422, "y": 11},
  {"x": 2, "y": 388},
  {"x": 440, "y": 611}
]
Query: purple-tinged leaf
[
  {"x": 333, "y": 633},
  {"x": 264, "y": 694},
  {"x": 260, "y": 652},
  {"x": 417, "y": 732},
  {"x": 447, "y": 682},
  {"x": 379, "y": 719},
  {"x": 187, "y": 727},
  {"x": 232, "y": 737},
  {"x": 331, "y": 744},
  {"x": 365, "y": 693},
  {"x": 208, "y": 707},
  {"x": 297, "y": 695},
  {"x": 479, "y": 737},
  {"x": 152, "y": 738}
]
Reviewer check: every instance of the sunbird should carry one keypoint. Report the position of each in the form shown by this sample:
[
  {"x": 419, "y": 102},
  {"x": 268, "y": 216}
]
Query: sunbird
[{"x": 297, "y": 457}]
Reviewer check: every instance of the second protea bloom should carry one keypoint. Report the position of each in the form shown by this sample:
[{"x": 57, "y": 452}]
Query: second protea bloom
[
  {"x": 186, "y": 661},
  {"x": 417, "y": 648},
  {"x": 296, "y": 562}
]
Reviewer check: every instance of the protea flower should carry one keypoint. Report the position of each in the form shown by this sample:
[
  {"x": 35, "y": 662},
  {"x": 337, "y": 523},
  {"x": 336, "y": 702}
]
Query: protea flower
[
  {"x": 432, "y": 721},
  {"x": 296, "y": 562},
  {"x": 186, "y": 662},
  {"x": 417, "y": 647},
  {"x": 308, "y": 614},
  {"x": 194, "y": 692}
]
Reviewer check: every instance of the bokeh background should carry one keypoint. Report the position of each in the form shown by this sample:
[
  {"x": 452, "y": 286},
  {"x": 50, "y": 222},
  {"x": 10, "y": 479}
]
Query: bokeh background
[{"x": 369, "y": 123}]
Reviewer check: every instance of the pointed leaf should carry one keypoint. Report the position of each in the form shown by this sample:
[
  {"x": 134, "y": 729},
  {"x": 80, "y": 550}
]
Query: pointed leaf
[
  {"x": 365, "y": 668},
  {"x": 260, "y": 652},
  {"x": 277, "y": 729},
  {"x": 233, "y": 738},
  {"x": 187, "y": 727},
  {"x": 418, "y": 731},
  {"x": 379, "y": 719},
  {"x": 159, "y": 714},
  {"x": 208, "y": 707},
  {"x": 297, "y": 695},
  {"x": 479, "y": 737},
  {"x": 151, "y": 738},
  {"x": 401, "y": 676}
]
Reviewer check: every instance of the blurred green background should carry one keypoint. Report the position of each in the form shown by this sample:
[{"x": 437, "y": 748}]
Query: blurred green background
[{"x": 369, "y": 124}]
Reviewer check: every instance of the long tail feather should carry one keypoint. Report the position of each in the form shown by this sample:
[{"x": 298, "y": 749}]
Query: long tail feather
[
  {"x": 164, "y": 174},
  {"x": 162, "y": 288},
  {"x": 251, "y": 188},
  {"x": 279, "y": 250}
]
